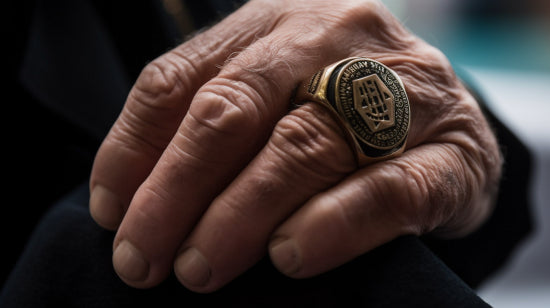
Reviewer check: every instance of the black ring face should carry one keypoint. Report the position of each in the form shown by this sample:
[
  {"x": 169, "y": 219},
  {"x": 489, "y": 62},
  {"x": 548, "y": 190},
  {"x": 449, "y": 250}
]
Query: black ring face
[{"x": 372, "y": 102}]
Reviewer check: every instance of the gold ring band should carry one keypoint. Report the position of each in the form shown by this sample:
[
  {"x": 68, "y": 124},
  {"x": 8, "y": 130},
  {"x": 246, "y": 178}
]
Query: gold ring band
[{"x": 369, "y": 101}]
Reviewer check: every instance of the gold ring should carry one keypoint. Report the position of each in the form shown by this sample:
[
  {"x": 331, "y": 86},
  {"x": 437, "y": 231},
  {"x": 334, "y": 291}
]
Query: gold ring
[{"x": 370, "y": 103}]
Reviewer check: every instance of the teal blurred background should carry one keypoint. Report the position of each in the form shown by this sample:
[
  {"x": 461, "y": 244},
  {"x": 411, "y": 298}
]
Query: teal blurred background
[{"x": 486, "y": 33}]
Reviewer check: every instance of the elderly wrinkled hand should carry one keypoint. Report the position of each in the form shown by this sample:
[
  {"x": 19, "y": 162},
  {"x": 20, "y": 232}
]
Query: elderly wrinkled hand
[{"x": 206, "y": 170}]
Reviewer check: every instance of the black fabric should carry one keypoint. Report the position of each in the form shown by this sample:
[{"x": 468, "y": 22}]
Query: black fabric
[
  {"x": 70, "y": 67},
  {"x": 68, "y": 264}
]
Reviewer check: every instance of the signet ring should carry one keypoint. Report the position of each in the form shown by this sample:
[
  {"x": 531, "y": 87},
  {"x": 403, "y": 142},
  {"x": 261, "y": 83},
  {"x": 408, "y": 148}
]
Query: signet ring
[{"x": 369, "y": 101}]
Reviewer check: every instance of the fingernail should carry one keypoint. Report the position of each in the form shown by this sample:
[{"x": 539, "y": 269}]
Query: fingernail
[
  {"x": 129, "y": 262},
  {"x": 285, "y": 256},
  {"x": 192, "y": 268},
  {"x": 105, "y": 208}
]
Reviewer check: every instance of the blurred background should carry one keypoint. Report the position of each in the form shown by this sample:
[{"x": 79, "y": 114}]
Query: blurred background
[{"x": 504, "y": 46}]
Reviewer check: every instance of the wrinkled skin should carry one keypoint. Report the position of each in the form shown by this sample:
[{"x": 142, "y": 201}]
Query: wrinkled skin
[{"x": 206, "y": 170}]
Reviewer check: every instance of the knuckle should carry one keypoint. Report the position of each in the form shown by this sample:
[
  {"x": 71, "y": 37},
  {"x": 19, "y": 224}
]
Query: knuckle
[
  {"x": 164, "y": 81},
  {"x": 314, "y": 145},
  {"x": 156, "y": 78},
  {"x": 228, "y": 107},
  {"x": 154, "y": 107}
]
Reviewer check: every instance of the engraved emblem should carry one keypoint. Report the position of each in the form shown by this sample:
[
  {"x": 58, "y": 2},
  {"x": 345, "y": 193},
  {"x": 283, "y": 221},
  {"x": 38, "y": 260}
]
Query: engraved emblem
[
  {"x": 371, "y": 100},
  {"x": 374, "y": 102}
]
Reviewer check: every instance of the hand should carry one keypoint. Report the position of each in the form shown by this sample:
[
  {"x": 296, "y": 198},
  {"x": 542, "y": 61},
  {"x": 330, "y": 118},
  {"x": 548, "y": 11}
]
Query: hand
[{"x": 205, "y": 170}]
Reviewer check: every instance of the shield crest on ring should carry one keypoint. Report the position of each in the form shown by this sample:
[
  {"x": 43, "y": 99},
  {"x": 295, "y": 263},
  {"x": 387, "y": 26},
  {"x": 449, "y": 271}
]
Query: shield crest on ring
[{"x": 374, "y": 102}]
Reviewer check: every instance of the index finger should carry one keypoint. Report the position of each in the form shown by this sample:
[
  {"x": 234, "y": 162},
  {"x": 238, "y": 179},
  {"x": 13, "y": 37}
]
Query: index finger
[{"x": 153, "y": 111}]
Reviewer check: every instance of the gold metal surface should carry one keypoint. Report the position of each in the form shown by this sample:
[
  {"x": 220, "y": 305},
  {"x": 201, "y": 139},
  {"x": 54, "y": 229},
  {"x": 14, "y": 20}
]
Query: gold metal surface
[{"x": 369, "y": 100}]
